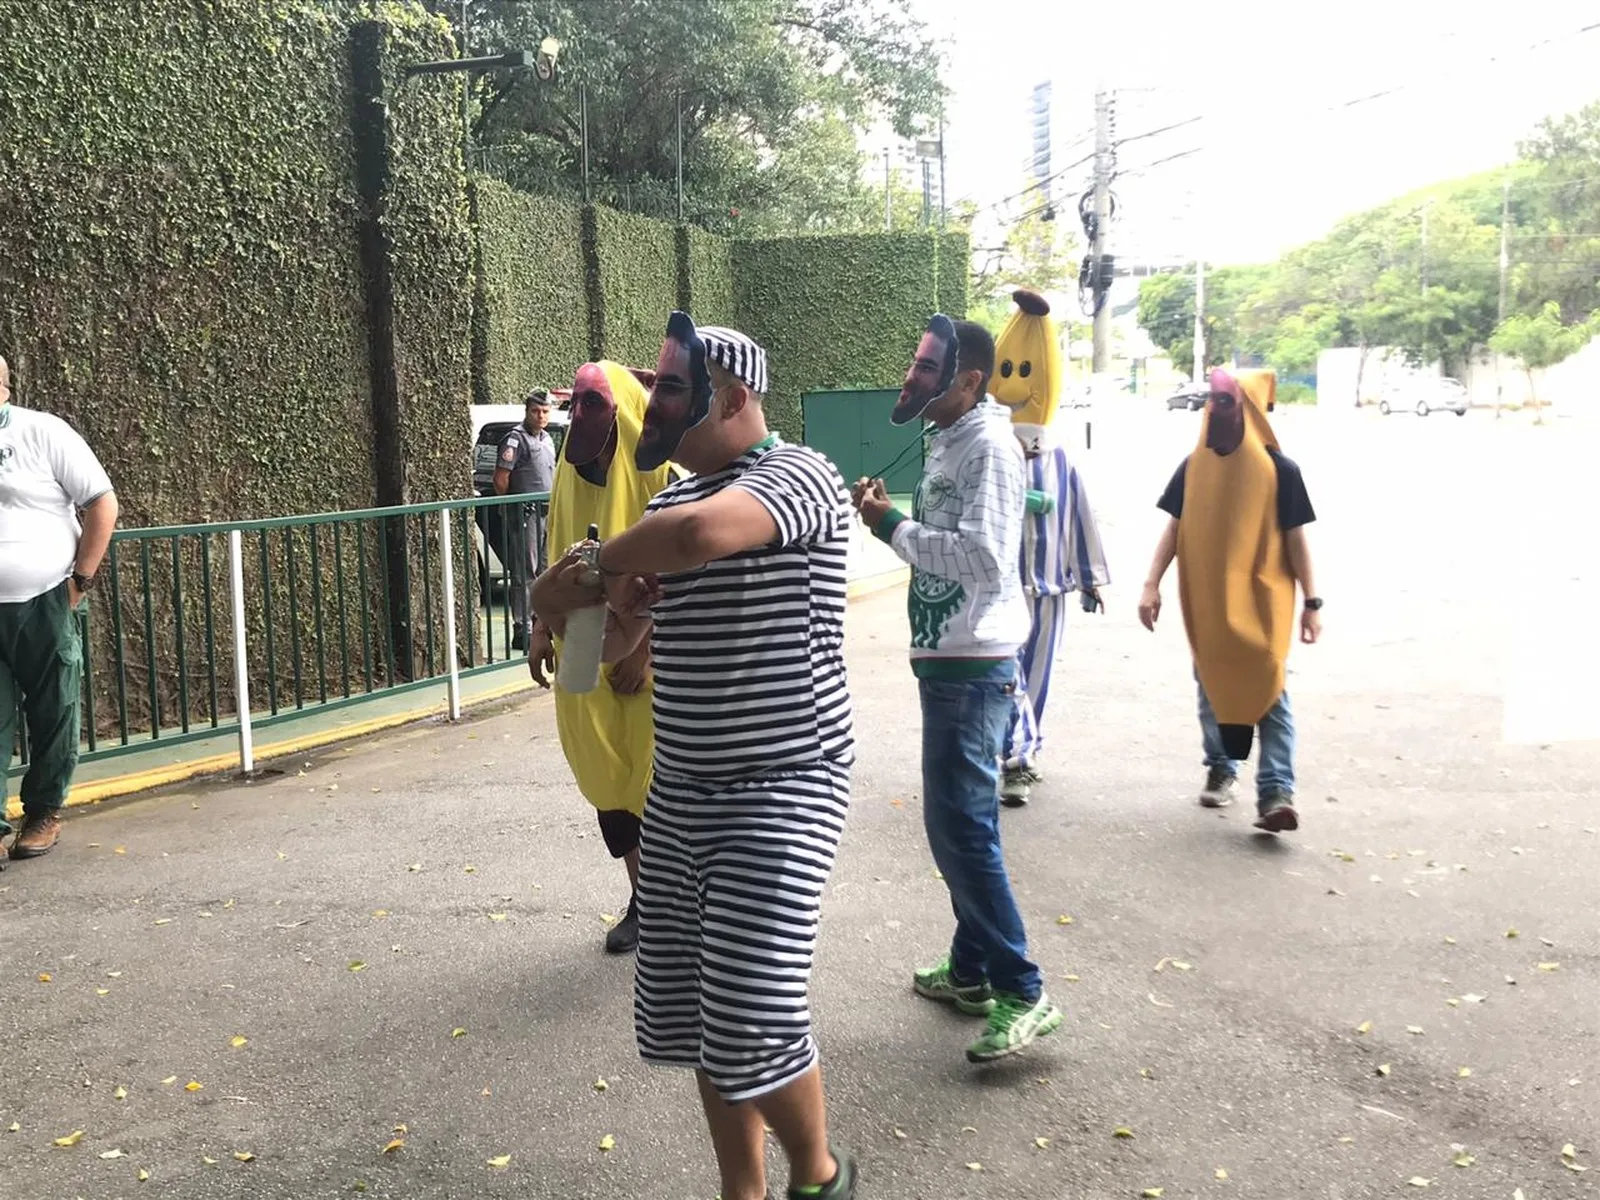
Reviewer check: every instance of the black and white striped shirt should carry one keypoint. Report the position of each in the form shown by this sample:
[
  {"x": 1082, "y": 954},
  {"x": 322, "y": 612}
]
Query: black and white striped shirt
[{"x": 748, "y": 651}]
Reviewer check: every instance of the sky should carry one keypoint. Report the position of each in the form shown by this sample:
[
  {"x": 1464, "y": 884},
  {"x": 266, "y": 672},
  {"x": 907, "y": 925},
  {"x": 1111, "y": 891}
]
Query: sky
[{"x": 1281, "y": 155}]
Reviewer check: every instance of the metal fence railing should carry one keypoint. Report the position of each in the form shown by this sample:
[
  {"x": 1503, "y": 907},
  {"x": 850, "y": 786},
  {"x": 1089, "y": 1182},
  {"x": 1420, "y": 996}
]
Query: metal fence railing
[{"x": 199, "y": 630}]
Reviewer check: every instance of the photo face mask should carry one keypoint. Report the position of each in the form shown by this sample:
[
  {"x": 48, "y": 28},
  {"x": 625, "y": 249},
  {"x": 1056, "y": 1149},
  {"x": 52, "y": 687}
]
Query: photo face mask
[
  {"x": 681, "y": 397},
  {"x": 594, "y": 416},
  {"x": 932, "y": 371}
]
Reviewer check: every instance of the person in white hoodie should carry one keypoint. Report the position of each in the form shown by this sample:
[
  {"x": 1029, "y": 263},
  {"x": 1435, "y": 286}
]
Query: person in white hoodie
[{"x": 968, "y": 620}]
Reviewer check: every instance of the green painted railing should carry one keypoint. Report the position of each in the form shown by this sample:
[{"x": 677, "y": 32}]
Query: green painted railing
[{"x": 199, "y": 630}]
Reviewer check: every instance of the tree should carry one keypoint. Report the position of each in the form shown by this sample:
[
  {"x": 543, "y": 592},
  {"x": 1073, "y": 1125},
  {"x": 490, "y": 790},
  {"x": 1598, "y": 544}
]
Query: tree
[
  {"x": 1542, "y": 340},
  {"x": 1039, "y": 250},
  {"x": 772, "y": 94},
  {"x": 1558, "y": 211}
]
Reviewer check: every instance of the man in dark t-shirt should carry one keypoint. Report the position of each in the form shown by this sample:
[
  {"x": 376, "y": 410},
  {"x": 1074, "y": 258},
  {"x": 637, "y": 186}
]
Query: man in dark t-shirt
[{"x": 1239, "y": 510}]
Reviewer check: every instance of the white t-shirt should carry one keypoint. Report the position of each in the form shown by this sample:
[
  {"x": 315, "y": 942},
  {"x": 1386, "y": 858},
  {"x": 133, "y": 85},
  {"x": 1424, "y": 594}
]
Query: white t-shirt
[{"x": 47, "y": 473}]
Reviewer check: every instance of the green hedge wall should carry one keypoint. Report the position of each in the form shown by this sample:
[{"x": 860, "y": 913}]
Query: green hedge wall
[
  {"x": 834, "y": 311},
  {"x": 532, "y": 300},
  {"x": 633, "y": 278},
  {"x": 180, "y": 277},
  {"x": 955, "y": 273},
  {"x": 705, "y": 272}
]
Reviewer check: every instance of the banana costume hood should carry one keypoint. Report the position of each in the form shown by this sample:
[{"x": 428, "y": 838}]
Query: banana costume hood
[
  {"x": 608, "y": 738},
  {"x": 1027, "y": 373},
  {"x": 1237, "y": 591}
]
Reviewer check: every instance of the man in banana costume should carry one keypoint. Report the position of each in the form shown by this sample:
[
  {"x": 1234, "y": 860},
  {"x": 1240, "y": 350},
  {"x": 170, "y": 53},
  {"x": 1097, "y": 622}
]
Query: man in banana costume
[
  {"x": 1061, "y": 550},
  {"x": 606, "y": 734},
  {"x": 1239, "y": 511}
]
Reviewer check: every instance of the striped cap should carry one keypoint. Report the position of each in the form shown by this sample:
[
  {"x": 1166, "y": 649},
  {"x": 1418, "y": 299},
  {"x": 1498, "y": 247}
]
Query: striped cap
[{"x": 737, "y": 354}]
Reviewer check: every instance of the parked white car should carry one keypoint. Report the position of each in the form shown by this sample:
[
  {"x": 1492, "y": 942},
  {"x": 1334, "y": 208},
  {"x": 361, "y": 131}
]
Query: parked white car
[{"x": 1425, "y": 395}]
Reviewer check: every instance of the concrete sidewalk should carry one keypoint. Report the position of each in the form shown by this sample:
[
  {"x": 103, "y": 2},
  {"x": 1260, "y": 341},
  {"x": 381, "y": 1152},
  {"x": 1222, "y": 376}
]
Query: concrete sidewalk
[{"x": 346, "y": 919}]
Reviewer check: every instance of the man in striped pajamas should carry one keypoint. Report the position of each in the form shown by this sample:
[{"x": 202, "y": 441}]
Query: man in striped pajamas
[
  {"x": 1061, "y": 551},
  {"x": 1061, "y": 554},
  {"x": 737, "y": 576}
]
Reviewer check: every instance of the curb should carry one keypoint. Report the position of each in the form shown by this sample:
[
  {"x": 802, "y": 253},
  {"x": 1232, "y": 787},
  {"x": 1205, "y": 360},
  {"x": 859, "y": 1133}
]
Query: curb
[{"x": 154, "y": 777}]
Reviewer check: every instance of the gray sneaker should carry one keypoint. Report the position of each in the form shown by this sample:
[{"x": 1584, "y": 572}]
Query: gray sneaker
[
  {"x": 1276, "y": 813},
  {"x": 1218, "y": 792},
  {"x": 1016, "y": 784}
]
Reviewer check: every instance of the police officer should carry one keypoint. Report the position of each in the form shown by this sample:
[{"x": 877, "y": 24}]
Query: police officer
[{"x": 527, "y": 463}]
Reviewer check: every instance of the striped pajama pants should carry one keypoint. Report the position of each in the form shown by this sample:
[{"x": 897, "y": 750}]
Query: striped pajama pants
[
  {"x": 730, "y": 889},
  {"x": 1035, "y": 661}
]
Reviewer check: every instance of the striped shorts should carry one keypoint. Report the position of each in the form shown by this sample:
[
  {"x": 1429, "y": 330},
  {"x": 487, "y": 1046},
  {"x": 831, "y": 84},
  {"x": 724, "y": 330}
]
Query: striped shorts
[{"x": 730, "y": 889}]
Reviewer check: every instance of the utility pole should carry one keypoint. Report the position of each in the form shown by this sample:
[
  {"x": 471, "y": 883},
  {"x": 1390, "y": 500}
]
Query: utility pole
[
  {"x": 1199, "y": 320},
  {"x": 1102, "y": 219}
]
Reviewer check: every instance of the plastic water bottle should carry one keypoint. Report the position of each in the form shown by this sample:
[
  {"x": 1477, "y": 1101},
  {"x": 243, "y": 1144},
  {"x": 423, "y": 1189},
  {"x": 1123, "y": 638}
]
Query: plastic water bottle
[{"x": 579, "y": 668}]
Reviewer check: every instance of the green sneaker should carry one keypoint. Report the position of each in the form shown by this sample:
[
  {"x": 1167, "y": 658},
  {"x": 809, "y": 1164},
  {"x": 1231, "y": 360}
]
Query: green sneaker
[
  {"x": 1013, "y": 1024},
  {"x": 937, "y": 983},
  {"x": 841, "y": 1187}
]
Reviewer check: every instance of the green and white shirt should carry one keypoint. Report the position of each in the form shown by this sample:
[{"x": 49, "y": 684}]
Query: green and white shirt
[{"x": 962, "y": 541}]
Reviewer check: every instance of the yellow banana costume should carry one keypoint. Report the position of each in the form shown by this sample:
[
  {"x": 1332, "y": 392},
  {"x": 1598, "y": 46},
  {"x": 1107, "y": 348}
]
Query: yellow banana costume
[
  {"x": 1027, "y": 372},
  {"x": 608, "y": 738},
  {"x": 1237, "y": 591}
]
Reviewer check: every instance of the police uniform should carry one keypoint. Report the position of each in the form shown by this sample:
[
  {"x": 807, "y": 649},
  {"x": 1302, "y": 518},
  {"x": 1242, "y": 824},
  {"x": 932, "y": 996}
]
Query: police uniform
[{"x": 530, "y": 457}]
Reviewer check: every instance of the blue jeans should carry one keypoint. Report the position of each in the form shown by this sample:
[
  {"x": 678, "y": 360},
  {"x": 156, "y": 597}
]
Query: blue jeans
[
  {"x": 963, "y": 726},
  {"x": 1275, "y": 734}
]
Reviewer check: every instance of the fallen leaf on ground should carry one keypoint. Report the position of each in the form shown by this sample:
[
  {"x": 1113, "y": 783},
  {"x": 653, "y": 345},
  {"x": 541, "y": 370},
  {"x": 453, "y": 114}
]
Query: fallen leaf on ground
[
  {"x": 497, "y": 916},
  {"x": 357, "y": 965},
  {"x": 239, "y": 1041},
  {"x": 1152, "y": 1193},
  {"x": 244, "y": 1156},
  {"x": 1383, "y": 1068},
  {"x": 458, "y": 1032},
  {"x": 969, "y": 1129},
  {"x": 120, "y": 850},
  {"x": 120, "y": 1094},
  {"x": 470, "y": 869},
  {"x": 1151, "y": 996},
  {"x": 1463, "y": 1072},
  {"x": 1364, "y": 1027},
  {"x": 1070, "y": 978},
  {"x": 897, "y": 802},
  {"x": 1063, "y": 919},
  {"x": 1041, "y": 1142},
  {"x": 1549, "y": 966},
  {"x": 1414, "y": 1030},
  {"x": 1472, "y": 998},
  {"x": 113, "y": 974},
  {"x": 501, "y": 1163},
  {"x": 113, "y": 1154},
  {"x": 14, "y": 1127},
  {"x": 1419, "y": 1182},
  {"x": 45, "y": 977},
  {"x": 208, "y": 1160},
  {"x": 164, "y": 921},
  {"x": 1546, "y": 941},
  {"x": 1452, "y": 1001},
  {"x": 380, "y": 913},
  {"x": 102, "y": 991},
  {"x": 414, "y": 867},
  {"x": 169, "y": 1081},
  {"x": 975, "y": 1166},
  {"x": 1511, "y": 933},
  {"x": 608, "y": 1143},
  {"x": 1220, "y": 1174},
  {"x": 194, "y": 1085},
  {"x": 392, "y": 1146},
  {"x": 1463, "y": 1159},
  {"x": 1449, "y": 941},
  {"x": 1122, "y": 1131},
  {"x": 142, "y": 1175},
  {"x": 900, "y": 1133},
  {"x": 72, "y": 1139},
  {"x": 1569, "y": 1151},
  {"x": 1179, "y": 965}
]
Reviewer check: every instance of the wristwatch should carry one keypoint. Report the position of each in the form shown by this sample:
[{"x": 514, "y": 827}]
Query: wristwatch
[
  {"x": 1313, "y": 603},
  {"x": 84, "y": 583}
]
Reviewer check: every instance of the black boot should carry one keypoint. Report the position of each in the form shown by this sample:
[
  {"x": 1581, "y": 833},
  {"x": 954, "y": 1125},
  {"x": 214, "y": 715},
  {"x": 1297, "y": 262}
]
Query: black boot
[{"x": 623, "y": 937}]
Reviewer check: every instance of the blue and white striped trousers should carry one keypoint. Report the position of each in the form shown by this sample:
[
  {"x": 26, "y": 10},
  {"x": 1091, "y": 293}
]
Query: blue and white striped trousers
[
  {"x": 1035, "y": 661},
  {"x": 730, "y": 890}
]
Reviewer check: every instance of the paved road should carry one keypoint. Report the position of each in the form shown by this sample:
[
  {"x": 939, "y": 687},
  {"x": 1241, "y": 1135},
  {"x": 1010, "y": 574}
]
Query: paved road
[{"x": 456, "y": 864}]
